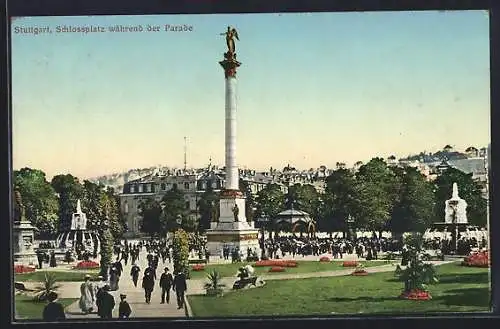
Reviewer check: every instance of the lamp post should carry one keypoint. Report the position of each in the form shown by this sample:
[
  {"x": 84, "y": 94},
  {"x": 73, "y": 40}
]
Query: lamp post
[{"x": 350, "y": 224}]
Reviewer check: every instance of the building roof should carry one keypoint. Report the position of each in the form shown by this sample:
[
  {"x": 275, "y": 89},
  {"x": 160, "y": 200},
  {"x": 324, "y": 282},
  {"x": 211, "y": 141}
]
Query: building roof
[
  {"x": 293, "y": 216},
  {"x": 475, "y": 166}
]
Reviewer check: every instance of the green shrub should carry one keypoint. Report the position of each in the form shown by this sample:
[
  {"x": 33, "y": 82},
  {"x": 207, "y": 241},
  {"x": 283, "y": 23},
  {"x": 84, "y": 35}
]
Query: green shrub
[{"x": 181, "y": 252}]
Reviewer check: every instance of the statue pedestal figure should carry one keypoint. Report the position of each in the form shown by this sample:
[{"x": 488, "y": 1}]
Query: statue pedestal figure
[{"x": 23, "y": 234}]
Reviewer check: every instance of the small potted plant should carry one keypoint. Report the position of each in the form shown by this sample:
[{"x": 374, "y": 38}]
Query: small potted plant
[
  {"x": 214, "y": 286},
  {"x": 360, "y": 271},
  {"x": 418, "y": 274}
]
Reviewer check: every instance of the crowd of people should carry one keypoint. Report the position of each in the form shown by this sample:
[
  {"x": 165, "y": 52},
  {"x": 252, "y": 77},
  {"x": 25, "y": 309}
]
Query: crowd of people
[{"x": 95, "y": 295}]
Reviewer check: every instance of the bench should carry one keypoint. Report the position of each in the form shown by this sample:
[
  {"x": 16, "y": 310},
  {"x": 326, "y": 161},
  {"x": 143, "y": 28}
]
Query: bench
[
  {"x": 242, "y": 283},
  {"x": 20, "y": 286}
]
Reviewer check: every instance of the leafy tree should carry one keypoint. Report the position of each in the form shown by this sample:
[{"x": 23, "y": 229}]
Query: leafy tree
[
  {"x": 250, "y": 200},
  {"x": 270, "y": 200},
  {"x": 174, "y": 205},
  {"x": 376, "y": 193},
  {"x": 414, "y": 211},
  {"x": 92, "y": 204},
  {"x": 468, "y": 190},
  {"x": 115, "y": 215},
  {"x": 340, "y": 199},
  {"x": 207, "y": 207},
  {"x": 70, "y": 190},
  {"x": 150, "y": 211},
  {"x": 303, "y": 197},
  {"x": 40, "y": 201},
  {"x": 106, "y": 251}
]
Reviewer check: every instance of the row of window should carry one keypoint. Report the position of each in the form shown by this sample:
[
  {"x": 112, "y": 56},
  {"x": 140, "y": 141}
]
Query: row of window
[{"x": 149, "y": 187}]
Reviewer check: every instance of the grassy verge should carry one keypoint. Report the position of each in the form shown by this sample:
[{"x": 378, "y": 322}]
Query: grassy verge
[
  {"x": 27, "y": 309},
  {"x": 60, "y": 276},
  {"x": 461, "y": 289},
  {"x": 230, "y": 270}
]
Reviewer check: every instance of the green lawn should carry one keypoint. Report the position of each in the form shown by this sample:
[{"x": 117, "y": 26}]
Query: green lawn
[
  {"x": 26, "y": 309},
  {"x": 39, "y": 276},
  {"x": 461, "y": 289},
  {"x": 230, "y": 270}
]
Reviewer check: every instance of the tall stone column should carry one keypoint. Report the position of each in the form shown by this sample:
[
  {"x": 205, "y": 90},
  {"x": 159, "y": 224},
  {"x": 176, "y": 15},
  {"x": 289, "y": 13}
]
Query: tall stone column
[{"x": 232, "y": 175}]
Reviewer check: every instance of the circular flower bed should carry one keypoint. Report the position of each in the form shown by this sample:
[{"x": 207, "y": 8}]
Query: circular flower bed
[
  {"x": 277, "y": 269},
  {"x": 324, "y": 259},
  {"x": 351, "y": 263},
  {"x": 86, "y": 264},
  {"x": 359, "y": 273},
  {"x": 415, "y": 294},
  {"x": 479, "y": 259},
  {"x": 277, "y": 263},
  {"x": 20, "y": 269},
  {"x": 198, "y": 267}
]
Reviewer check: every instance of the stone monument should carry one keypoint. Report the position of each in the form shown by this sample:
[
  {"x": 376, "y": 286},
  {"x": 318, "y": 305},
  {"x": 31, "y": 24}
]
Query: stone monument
[
  {"x": 455, "y": 208},
  {"x": 231, "y": 227},
  {"x": 23, "y": 234}
]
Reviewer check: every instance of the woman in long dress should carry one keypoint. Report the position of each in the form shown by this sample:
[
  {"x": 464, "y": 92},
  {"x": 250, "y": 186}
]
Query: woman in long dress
[
  {"x": 87, "y": 297},
  {"x": 113, "y": 279}
]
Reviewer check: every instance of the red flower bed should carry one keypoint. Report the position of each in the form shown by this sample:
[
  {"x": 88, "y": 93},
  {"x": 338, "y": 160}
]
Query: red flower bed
[
  {"x": 359, "y": 273},
  {"x": 86, "y": 264},
  {"x": 324, "y": 259},
  {"x": 277, "y": 263},
  {"x": 416, "y": 295},
  {"x": 479, "y": 259},
  {"x": 277, "y": 269},
  {"x": 198, "y": 267},
  {"x": 351, "y": 263},
  {"x": 20, "y": 269}
]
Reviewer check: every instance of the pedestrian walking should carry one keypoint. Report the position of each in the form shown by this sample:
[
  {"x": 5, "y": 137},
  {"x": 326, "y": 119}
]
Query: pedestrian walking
[
  {"x": 180, "y": 287},
  {"x": 148, "y": 284},
  {"x": 124, "y": 309},
  {"x": 105, "y": 303},
  {"x": 87, "y": 296},
  {"x": 166, "y": 282},
  {"x": 134, "y": 272}
]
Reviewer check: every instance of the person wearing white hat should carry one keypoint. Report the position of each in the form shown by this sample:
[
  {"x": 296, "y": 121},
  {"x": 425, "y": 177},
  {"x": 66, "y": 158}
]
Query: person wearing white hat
[{"x": 87, "y": 296}]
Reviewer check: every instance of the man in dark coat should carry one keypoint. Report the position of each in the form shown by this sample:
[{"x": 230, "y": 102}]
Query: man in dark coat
[
  {"x": 40, "y": 257},
  {"x": 125, "y": 255},
  {"x": 166, "y": 282},
  {"x": 105, "y": 303},
  {"x": 118, "y": 265},
  {"x": 180, "y": 287},
  {"x": 134, "y": 272},
  {"x": 124, "y": 309},
  {"x": 53, "y": 311},
  {"x": 148, "y": 283},
  {"x": 152, "y": 271}
]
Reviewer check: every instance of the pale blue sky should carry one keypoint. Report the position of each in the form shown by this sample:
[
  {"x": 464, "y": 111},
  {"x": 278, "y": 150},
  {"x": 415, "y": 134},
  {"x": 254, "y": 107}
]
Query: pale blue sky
[{"x": 313, "y": 89}]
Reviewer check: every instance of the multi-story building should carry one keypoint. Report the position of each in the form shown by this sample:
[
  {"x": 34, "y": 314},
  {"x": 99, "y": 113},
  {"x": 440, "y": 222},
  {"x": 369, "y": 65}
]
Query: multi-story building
[{"x": 194, "y": 183}]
